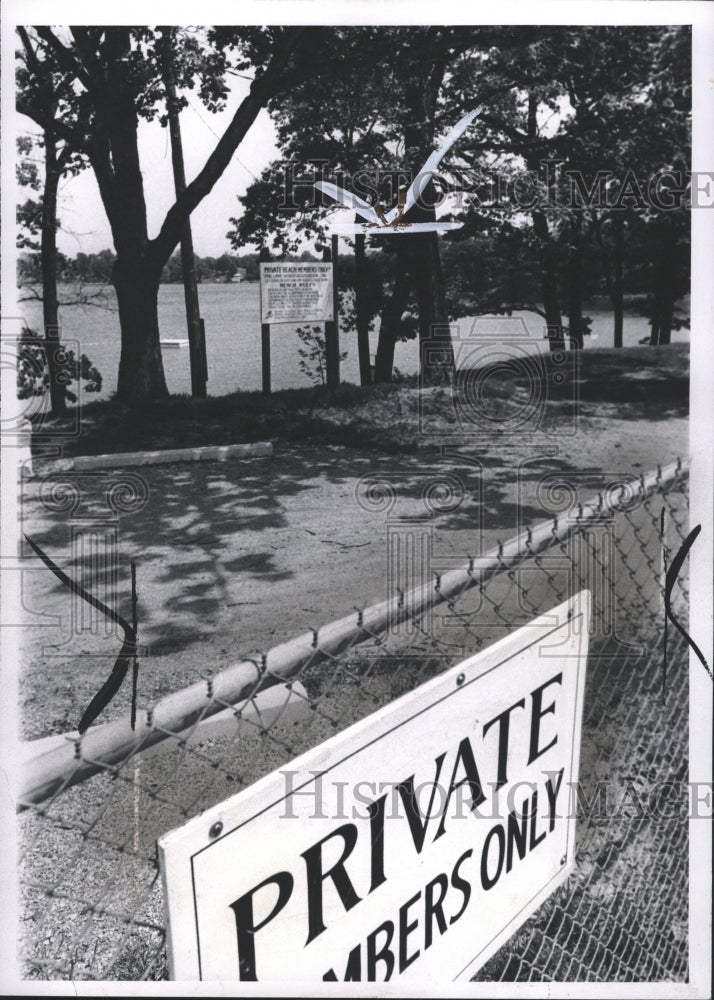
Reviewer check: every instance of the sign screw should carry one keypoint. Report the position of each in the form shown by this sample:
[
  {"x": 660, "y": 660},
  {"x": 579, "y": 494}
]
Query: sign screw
[
  {"x": 215, "y": 830},
  {"x": 460, "y": 679},
  {"x": 563, "y": 860}
]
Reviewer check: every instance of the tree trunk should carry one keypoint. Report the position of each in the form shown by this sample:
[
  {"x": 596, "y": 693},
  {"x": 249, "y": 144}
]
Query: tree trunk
[
  {"x": 575, "y": 287},
  {"x": 138, "y": 265},
  {"x": 663, "y": 312},
  {"x": 665, "y": 330},
  {"x": 549, "y": 285},
  {"x": 141, "y": 370},
  {"x": 604, "y": 260},
  {"x": 654, "y": 327},
  {"x": 48, "y": 257},
  {"x": 423, "y": 250},
  {"x": 361, "y": 313},
  {"x": 433, "y": 320},
  {"x": 549, "y": 273},
  {"x": 575, "y": 301},
  {"x": 618, "y": 223},
  {"x": 389, "y": 327}
]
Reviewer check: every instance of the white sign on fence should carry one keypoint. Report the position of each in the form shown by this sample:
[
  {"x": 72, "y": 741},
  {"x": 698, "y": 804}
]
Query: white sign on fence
[
  {"x": 413, "y": 844},
  {"x": 296, "y": 293}
]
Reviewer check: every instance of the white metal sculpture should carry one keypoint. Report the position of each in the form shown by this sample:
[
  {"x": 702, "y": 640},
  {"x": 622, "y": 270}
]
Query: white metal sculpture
[{"x": 393, "y": 222}]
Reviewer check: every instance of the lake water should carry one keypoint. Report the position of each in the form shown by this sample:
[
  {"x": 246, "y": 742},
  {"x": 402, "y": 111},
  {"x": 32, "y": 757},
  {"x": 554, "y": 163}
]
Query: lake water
[{"x": 232, "y": 318}]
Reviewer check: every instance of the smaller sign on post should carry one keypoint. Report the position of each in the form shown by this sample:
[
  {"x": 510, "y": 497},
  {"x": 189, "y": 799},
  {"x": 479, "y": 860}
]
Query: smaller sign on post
[
  {"x": 296, "y": 292},
  {"x": 411, "y": 845}
]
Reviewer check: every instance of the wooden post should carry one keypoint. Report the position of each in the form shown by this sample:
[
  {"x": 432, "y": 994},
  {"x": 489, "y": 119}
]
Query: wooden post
[
  {"x": 332, "y": 330},
  {"x": 265, "y": 336},
  {"x": 197, "y": 343},
  {"x": 202, "y": 349},
  {"x": 365, "y": 365}
]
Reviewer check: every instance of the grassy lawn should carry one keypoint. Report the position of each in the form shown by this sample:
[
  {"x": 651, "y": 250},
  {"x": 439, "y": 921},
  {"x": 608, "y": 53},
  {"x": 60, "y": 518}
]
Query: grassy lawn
[{"x": 631, "y": 383}]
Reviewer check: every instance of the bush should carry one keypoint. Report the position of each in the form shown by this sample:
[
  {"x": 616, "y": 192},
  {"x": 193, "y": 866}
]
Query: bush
[
  {"x": 313, "y": 354},
  {"x": 33, "y": 374}
]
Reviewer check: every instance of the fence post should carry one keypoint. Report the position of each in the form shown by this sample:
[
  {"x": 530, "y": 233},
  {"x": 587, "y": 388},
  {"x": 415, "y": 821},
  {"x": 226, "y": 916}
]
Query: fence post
[
  {"x": 265, "y": 334},
  {"x": 332, "y": 331}
]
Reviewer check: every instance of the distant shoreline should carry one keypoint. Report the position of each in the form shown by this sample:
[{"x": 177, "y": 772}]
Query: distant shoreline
[{"x": 108, "y": 284}]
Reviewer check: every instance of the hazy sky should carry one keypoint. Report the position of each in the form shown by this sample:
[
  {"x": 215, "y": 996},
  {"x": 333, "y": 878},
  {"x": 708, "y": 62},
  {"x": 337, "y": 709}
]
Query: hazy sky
[{"x": 84, "y": 221}]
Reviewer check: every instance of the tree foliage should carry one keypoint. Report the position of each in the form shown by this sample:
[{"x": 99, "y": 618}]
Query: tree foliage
[
  {"x": 112, "y": 77},
  {"x": 570, "y": 116},
  {"x": 33, "y": 368},
  {"x": 560, "y": 107}
]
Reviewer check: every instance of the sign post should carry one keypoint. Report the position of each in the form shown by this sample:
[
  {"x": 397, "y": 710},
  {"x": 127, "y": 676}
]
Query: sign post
[
  {"x": 298, "y": 292},
  {"x": 264, "y": 332},
  {"x": 332, "y": 331},
  {"x": 412, "y": 845}
]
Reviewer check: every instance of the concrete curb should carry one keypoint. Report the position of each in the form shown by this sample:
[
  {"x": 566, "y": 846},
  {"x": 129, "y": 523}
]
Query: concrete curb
[{"x": 209, "y": 453}]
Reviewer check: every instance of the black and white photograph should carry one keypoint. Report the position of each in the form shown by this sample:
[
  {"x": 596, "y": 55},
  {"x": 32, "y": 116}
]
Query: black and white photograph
[{"x": 357, "y": 534}]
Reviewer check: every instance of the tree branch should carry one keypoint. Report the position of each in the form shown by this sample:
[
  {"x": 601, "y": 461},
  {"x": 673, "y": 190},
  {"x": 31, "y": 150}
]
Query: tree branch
[
  {"x": 64, "y": 157},
  {"x": 86, "y": 48},
  {"x": 81, "y": 298},
  {"x": 262, "y": 89},
  {"x": 58, "y": 128},
  {"x": 65, "y": 57},
  {"x": 30, "y": 54},
  {"x": 517, "y": 137}
]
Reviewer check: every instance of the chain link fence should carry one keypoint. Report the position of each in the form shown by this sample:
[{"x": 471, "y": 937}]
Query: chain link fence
[{"x": 91, "y": 809}]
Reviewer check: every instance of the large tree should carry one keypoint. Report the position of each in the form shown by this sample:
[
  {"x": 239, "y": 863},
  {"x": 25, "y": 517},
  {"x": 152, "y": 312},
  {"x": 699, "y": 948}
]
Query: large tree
[
  {"x": 44, "y": 90},
  {"x": 627, "y": 127},
  {"x": 614, "y": 103},
  {"x": 111, "y": 78}
]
